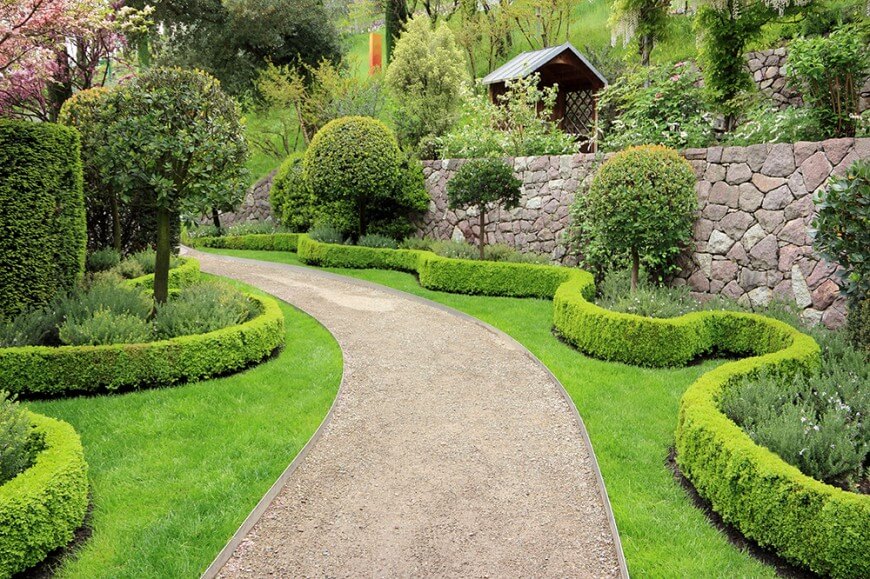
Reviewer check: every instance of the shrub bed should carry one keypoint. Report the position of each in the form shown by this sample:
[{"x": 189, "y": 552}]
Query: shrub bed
[
  {"x": 806, "y": 521},
  {"x": 44, "y": 370},
  {"x": 42, "y": 507}
]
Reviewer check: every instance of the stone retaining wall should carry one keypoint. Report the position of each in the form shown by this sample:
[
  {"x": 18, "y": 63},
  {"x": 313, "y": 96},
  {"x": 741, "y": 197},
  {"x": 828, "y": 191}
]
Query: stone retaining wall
[
  {"x": 255, "y": 207},
  {"x": 751, "y": 238},
  {"x": 769, "y": 70}
]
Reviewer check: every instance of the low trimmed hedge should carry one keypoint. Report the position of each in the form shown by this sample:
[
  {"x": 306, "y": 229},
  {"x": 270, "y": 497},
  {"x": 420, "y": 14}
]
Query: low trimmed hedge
[
  {"x": 44, "y": 370},
  {"x": 183, "y": 275},
  {"x": 254, "y": 241},
  {"x": 813, "y": 524},
  {"x": 41, "y": 508}
]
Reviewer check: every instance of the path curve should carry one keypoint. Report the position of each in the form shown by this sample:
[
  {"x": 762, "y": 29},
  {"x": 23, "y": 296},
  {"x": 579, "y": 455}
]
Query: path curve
[{"x": 450, "y": 451}]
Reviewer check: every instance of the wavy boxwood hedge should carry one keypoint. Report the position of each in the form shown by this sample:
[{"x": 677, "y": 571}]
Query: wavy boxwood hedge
[
  {"x": 42, "y": 507},
  {"x": 184, "y": 274},
  {"x": 44, "y": 370},
  {"x": 253, "y": 241},
  {"x": 806, "y": 521},
  {"x": 42, "y": 214}
]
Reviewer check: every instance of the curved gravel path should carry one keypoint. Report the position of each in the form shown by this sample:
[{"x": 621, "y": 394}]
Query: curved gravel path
[{"x": 449, "y": 451}]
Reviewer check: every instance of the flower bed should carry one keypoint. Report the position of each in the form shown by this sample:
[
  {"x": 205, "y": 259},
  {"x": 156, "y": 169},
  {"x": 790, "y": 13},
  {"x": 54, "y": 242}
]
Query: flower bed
[
  {"x": 46, "y": 370},
  {"x": 806, "y": 521},
  {"x": 42, "y": 507}
]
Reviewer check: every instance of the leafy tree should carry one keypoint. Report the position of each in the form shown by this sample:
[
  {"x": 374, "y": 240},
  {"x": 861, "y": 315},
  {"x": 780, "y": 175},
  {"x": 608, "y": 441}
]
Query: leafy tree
[
  {"x": 641, "y": 205},
  {"x": 175, "y": 133},
  {"x": 427, "y": 81},
  {"x": 830, "y": 72},
  {"x": 396, "y": 14},
  {"x": 484, "y": 184},
  {"x": 51, "y": 48},
  {"x": 353, "y": 162},
  {"x": 542, "y": 22},
  {"x": 233, "y": 39},
  {"x": 645, "y": 21},
  {"x": 724, "y": 29},
  {"x": 318, "y": 94}
]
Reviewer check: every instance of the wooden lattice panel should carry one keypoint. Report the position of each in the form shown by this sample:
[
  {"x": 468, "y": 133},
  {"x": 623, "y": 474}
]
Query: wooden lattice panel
[{"x": 579, "y": 112}]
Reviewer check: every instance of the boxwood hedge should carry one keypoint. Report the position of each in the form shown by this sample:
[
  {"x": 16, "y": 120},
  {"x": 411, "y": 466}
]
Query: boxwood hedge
[
  {"x": 44, "y": 371},
  {"x": 42, "y": 507},
  {"x": 183, "y": 275},
  {"x": 255, "y": 241},
  {"x": 813, "y": 524},
  {"x": 42, "y": 214}
]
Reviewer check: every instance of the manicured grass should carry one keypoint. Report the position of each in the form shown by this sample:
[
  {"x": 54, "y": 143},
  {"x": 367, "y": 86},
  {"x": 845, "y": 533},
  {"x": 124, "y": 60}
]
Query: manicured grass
[
  {"x": 175, "y": 471},
  {"x": 631, "y": 414}
]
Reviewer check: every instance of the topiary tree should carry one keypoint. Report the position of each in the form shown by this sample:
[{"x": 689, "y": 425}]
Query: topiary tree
[
  {"x": 426, "y": 77},
  {"x": 842, "y": 235},
  {"x": 175, "y": 133},
  {"x": 484, "y": 184},
  {"x": 642, "y": 205},
  {"x": 42, "y": 214},
  {"x": 353, "y": 162},
  {"x": 290, "y": 197}
]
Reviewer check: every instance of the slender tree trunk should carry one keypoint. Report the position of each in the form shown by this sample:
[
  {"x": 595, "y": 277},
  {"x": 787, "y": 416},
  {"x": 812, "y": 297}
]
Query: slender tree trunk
[
  {"x": 482, "y": 234},
  {"x": 116, "y": 223},
  {"x": 216, "y": 219},
  {"x": 361, "y": 230},
  {"x": 635, "y": 269},
  {"x": 646, "y": 46},
  {"x": 161, "y": 267}
]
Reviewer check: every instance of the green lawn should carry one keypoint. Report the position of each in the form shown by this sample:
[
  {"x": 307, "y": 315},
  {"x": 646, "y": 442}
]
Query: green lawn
[
  {"x": 631, "y": 414},
  {"x": 175, "y": 471}
]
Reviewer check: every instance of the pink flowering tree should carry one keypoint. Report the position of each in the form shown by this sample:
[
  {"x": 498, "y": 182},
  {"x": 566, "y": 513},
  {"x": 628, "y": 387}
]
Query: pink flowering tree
[{"x": 52, "y": 48}]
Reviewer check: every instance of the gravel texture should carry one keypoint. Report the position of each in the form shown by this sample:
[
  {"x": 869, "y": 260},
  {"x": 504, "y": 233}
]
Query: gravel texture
[{"x": 450, "y": 451}]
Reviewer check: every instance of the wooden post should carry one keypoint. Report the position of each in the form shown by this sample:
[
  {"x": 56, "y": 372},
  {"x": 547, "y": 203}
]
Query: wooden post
[{"x": 375, "y": 53}]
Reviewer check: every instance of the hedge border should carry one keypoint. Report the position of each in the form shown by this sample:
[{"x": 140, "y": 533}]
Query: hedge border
[
  {"x": 771, "y": 502},
  {"x": 252, "y": 241},
  {"x": 182, "y": 275},
  {"x": 41, "y": 508},
  {"x": 45, "y": 370}
]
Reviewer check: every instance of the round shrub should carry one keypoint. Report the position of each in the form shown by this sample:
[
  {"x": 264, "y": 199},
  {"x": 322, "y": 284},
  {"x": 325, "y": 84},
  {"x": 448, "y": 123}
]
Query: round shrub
[
  {"x": 353, "y": 161},
  {"x": 292, "y": 201},
  {"x": 641, "y": 206},
  {"x": 42, "y": 214}
]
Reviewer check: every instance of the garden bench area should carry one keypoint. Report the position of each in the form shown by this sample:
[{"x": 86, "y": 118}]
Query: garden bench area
[{"x": 505, "y": 298}]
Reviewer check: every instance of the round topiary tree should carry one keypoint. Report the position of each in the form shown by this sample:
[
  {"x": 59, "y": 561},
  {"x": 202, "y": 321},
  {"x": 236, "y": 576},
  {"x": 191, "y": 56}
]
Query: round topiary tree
[
  {"x": 42, "y": 214},
  {"x": 484, "y": 184},
  {"x": 353, "y": 161},
  {"x": 641, "y": 204},
  {"x": 177, "y": 135}
]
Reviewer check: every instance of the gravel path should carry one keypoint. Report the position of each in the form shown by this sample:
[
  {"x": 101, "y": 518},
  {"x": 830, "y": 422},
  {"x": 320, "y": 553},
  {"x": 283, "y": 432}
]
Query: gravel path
[{"x": 450, "y": 451}]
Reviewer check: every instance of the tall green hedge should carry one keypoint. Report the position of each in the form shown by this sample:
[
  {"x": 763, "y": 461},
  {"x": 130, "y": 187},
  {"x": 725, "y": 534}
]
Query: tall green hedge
[{"x": 42, "y": 214}]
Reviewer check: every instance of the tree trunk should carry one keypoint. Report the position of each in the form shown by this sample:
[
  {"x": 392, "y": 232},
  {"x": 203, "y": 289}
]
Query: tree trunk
[
  {"x": 482, "y": 235},
  {"x": 216, "y": 219},
  {"x": 646, "y": 46},
  {"x": 361, "y": 212},
  {"x": 635, "y": 269},
  {"x": 116, "y": 223},
  {"x": 161, "y": 266}
]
